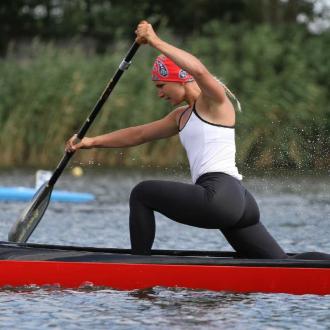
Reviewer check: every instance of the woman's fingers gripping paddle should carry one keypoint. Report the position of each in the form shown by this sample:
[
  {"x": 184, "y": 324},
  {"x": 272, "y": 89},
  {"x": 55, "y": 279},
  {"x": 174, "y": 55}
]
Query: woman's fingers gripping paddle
[
  {"x": 74, "y": 143},
  {"x": 145, "y": 33}
]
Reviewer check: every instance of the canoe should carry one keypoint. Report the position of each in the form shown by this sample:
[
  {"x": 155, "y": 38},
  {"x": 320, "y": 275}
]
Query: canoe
[
  {"x": 26, "y": 194},
  {"x": 76, "y": 267}
]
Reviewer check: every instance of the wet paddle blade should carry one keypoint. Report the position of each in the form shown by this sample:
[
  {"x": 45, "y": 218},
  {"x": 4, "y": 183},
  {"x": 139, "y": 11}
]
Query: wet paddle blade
[{"x": 29, "y": 219}]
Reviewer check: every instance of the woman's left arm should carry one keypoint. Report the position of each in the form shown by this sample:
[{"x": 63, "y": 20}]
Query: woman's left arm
[{"x": 209, "y": 86}]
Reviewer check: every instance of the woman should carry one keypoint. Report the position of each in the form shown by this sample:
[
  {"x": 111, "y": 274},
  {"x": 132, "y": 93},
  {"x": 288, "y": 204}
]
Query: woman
[{"x": 216, "y": 199}]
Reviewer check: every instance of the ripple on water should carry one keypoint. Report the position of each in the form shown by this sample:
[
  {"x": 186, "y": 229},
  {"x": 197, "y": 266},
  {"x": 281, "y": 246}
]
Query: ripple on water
[
  {"x": 160, "y": 308},
  {"x": 296, "y": 211}
]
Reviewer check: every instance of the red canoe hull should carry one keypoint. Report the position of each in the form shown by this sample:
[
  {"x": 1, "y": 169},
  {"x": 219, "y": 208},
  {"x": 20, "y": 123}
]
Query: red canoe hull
[{"x": 123, "y": 276}]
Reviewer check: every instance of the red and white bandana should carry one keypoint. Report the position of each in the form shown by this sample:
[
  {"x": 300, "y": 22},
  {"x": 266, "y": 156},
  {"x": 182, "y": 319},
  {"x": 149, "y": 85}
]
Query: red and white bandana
[{"x": 165, "y": 69}]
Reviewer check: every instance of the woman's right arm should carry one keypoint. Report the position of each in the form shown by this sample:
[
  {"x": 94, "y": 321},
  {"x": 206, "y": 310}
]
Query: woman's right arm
[{"x": 128, "y": 137}]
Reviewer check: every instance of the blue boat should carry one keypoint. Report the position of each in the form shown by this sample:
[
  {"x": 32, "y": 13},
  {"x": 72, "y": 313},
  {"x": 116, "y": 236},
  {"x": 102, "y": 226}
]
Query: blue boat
[{"x": 26, "y": 194}]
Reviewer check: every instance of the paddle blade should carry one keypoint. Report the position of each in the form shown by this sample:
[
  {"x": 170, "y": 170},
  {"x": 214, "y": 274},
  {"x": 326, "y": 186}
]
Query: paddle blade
[{"x": 29, "y": 219}]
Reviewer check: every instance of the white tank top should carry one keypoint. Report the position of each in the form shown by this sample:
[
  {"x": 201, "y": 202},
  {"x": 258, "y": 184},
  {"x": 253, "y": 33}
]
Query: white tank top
[{"x": 209, "y": 147}]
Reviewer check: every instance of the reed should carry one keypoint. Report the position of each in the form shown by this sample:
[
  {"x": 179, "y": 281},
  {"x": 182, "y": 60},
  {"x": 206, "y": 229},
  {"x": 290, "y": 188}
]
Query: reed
[{"x": 282, "y": 83}]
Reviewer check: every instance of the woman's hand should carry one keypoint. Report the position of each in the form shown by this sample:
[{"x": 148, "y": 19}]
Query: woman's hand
[
  {"x": 145, "y": 33},
  {"x": 74, "y": 143}
]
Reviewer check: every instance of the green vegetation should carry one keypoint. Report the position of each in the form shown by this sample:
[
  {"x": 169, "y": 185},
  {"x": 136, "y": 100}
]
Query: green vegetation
[
  {"x": 281, "y": 76},
  {"x": 104, "y": 21}
]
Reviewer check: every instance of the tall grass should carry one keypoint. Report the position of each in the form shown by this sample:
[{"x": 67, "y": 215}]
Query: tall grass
[{"x": 280, "y": 77}]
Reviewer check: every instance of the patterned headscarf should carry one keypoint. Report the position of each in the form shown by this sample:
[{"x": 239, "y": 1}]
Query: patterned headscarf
[{"x": 165, "y": 69}]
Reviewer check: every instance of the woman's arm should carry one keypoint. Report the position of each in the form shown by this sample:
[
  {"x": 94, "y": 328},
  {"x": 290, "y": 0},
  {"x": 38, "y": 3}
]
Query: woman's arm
[
  {"x": 209, "y": 86},
  {"x": 130, "y": 136}
]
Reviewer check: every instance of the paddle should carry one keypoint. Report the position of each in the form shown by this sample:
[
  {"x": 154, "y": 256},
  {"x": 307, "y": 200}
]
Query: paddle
[{"x": 29, "y": 219}]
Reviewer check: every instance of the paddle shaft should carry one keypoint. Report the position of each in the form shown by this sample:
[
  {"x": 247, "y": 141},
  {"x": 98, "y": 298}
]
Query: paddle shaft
[
  {"x": 25, "y": 225},
  {"x": 98, "y": 106}
]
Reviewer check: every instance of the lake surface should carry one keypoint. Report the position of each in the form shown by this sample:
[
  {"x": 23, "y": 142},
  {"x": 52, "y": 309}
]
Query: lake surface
[{"x": 296, "y": 210}]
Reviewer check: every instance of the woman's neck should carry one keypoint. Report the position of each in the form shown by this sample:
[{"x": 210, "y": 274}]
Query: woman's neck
[{"x": 192, "y": 92}]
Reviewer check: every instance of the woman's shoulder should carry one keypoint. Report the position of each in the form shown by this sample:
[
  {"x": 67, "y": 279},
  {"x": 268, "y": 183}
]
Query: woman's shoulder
[
  {"x": 219, "y": 114},
  {"x": 179, "y": 111}
]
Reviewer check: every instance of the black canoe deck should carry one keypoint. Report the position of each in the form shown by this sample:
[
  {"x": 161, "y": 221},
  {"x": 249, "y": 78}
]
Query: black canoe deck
[{"x": 43, "y": 252}]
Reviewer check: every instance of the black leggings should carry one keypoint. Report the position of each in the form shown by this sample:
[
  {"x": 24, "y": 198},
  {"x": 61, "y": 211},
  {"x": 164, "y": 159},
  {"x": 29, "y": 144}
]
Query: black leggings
[{"x": 216, "y": 201}]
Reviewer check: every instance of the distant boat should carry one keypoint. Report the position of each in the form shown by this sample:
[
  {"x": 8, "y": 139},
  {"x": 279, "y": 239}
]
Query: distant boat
[{"x": 26, "y": 194}]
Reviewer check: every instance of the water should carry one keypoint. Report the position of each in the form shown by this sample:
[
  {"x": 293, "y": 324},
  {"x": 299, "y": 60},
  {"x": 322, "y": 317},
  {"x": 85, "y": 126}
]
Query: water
[{"x": 295, "y": 209}]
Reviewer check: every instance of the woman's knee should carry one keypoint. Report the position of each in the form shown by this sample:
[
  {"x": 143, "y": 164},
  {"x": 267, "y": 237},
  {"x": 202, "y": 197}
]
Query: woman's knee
[{"x": 139, "y": 192}]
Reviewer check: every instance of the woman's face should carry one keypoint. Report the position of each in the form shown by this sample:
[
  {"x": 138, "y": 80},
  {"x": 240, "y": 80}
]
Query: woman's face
[{"x": 173, "y": 92}]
